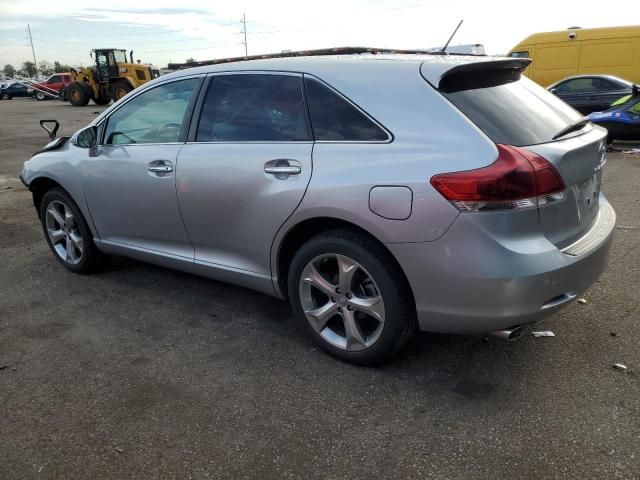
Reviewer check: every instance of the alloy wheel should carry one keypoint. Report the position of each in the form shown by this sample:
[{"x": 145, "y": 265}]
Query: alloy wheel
[
  {"x": 342, "y": 302},
  {"x": 63, "y": 232}
]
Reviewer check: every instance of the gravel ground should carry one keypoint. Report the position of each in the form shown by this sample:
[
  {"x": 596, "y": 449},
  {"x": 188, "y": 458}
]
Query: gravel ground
[{"x": 142, "y": 372}]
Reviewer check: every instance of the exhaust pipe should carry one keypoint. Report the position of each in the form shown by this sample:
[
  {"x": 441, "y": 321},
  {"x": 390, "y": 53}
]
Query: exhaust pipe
[{"x": 510, "y": 334}]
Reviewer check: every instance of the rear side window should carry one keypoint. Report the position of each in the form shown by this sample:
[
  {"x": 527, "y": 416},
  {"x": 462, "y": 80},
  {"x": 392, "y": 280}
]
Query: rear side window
[
  {"x": 253, "y": 107},
  {"x": 334, "y": 118},
  {"x": 515, "y": 113}
]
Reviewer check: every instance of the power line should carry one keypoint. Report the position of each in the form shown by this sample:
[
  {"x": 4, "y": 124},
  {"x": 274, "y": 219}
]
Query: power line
[
  {"x": 134, "y": 42},
  {"x": 192, "y": 49}
]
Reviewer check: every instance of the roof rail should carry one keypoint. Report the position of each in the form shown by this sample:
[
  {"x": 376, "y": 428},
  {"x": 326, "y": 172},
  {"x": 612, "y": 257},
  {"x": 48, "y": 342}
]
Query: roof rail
[{"x": 305, "y": 53}]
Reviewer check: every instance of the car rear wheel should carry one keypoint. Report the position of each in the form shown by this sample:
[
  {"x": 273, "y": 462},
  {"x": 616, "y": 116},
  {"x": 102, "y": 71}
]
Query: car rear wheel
[
  {"x": 67, "y": 232},
  {"x": 352, "y": 297}
]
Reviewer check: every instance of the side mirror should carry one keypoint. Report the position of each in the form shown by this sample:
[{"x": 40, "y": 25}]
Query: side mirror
[
  {"x": 87, "y": 138},
  {"x": 554, "y": 90}
]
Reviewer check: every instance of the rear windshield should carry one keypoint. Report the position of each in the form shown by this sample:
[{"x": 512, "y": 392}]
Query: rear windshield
[{"x": 516, "y": 113}]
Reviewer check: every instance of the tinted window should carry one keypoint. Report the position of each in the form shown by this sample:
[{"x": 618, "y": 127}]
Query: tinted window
[
  {"x": 608, "y": 86},
  {"x": 334, "y": 118},
  {"x": 54, "y": 79},
  {"x": 155, "y": 116},
  {"x": 253, "y": 107},
  {"x": 517, "y": 113},
  {"x": 521, "y": 54},
  {"x": 578, "y": 85}
]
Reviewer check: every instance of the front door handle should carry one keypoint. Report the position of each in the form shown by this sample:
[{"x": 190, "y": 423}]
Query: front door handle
[
  {"x": 159, "y": 168},
  {"x": 284, "y": 170}
]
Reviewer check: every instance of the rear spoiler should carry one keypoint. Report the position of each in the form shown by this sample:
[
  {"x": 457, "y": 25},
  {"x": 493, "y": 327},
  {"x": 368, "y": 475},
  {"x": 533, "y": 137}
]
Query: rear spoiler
[{"x": 482, "y": 74}]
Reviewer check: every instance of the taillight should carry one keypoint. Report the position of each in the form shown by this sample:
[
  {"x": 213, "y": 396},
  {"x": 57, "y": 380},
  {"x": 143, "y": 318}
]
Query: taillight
[{"x": 519, "y": 178}]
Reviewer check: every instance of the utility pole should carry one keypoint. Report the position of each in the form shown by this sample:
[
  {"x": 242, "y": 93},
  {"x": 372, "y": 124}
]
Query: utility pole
[
  {"x": 244, "y": 31},
  {"x": 32, "y": 49}
]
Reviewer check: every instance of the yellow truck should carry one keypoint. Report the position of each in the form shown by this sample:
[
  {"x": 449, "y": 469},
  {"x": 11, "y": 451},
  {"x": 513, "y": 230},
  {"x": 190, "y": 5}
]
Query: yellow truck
[{"x": 582, "y": 51}]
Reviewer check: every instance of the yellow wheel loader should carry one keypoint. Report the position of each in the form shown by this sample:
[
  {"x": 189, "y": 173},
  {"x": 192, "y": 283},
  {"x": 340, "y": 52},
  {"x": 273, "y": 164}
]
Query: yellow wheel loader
[{"x": 111, "y": 78}]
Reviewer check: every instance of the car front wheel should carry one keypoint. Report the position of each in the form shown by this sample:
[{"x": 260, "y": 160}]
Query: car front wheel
[
  {"x": 352, "y": 297},
  {"x": 67, "y": 232}
]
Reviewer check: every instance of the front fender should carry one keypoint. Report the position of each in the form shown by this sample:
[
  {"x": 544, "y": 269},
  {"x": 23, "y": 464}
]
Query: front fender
[{"x": 54, "y": 167}]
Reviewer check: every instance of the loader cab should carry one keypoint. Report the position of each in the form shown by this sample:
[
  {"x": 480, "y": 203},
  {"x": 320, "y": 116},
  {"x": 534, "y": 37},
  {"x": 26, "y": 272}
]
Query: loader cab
[{"x": 107, "y": 61}]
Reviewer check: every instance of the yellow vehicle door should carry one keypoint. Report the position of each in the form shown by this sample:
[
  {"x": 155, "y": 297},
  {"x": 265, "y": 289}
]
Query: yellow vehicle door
[{"x": 611, "y": 56}]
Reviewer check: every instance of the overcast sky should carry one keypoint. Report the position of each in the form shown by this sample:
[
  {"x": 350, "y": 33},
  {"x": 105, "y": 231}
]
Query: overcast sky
[{"x": 161, "y": 31}]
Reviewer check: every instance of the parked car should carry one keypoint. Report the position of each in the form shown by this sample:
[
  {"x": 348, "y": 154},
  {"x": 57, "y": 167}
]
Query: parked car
[
  {"x": 52, "y": 85},
  {"x": 622, "y": 120},
  {"x": 14, "y": 90},
  {"x": 377, "y": 193},
  {"x": 591, "y": 93}
]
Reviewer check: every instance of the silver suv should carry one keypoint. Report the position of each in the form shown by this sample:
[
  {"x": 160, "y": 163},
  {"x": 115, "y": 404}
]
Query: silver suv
[{"x": 377, "y": 193}]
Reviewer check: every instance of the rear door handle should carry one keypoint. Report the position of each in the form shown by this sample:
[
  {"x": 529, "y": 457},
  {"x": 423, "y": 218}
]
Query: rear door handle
[
  {"x": 159, "y": 168},
  {"x": 284, "y": 170}
]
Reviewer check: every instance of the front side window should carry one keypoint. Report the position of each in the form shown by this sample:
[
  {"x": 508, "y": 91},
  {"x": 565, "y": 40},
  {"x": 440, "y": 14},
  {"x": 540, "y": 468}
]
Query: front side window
[
  {"x": 253, "y": 108},
  {"x": 335, "y": 119},
  {"x": 155, "y": 116},
  {"x": 54, "y": 79},
  {"x": 520, "y": 54},
  {"x": 101, "y": 59}
]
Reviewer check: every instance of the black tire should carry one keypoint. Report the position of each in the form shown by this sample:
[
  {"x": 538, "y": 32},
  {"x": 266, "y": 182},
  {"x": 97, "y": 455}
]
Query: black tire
[
  {"x": 400, "y": 320},
  {"x": 6, "y": 96},
  {"x": 78, "y": 96},
  {"x": 102, "y": 100},
  {"x": 40, "y": 96},
  {"x": 91, "y": 258},
  {"x": 120, "y": 89}
]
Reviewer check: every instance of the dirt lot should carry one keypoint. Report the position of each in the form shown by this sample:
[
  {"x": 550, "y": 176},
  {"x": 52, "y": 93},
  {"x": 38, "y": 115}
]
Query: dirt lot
[{"x": 142, "y": 372}]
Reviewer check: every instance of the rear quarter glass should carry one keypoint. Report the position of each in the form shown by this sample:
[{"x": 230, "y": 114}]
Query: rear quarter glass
[{"x": 517, "y": 112}]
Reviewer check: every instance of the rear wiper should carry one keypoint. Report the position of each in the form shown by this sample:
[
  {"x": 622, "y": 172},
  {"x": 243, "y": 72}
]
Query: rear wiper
[{"x": 572, "y": 128}]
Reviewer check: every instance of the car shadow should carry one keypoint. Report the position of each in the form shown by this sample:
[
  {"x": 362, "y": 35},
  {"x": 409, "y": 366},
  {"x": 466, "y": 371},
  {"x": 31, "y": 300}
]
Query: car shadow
[{"x": 467, "y": 368}]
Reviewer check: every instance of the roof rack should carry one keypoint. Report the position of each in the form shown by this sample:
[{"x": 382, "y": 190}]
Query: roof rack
[{"x": 308, "y": 53}]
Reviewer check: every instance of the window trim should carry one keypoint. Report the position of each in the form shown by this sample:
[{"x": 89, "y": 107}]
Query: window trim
[
  {"x": 197, "y": 111},
  {"x": 390, "y": 136},
  {"x": 188, "y": 113}
]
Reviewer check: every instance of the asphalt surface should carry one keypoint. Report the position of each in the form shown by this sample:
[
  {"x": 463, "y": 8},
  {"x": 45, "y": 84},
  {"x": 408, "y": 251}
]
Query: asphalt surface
[{"x": 142, "y": 372}]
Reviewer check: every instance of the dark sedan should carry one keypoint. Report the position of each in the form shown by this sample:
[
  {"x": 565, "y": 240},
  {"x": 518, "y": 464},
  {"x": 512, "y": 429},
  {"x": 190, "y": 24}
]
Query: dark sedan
[
  {"x": 591, "y": 93},
  {"x": 14, "y": 90}
]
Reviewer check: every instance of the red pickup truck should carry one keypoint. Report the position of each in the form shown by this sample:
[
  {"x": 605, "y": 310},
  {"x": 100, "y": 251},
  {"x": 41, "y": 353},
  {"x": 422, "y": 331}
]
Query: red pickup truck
[{"x": 53, "y": 85}]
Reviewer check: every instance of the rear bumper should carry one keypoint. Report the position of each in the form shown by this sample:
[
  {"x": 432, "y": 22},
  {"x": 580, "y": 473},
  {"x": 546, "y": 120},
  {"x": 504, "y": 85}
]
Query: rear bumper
[{"x": 471, "y": 282}]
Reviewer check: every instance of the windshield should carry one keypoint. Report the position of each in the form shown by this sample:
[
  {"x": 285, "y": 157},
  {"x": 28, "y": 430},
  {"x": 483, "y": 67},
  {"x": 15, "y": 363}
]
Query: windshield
[
  {"x": 515, "y": 113},
  {"x": 634, "y": 107}
]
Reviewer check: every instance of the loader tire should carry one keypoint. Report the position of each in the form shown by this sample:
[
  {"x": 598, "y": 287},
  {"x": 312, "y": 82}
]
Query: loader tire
[
  {"x": 77, "y": 95},
  {"x": 119, "y": 90}
]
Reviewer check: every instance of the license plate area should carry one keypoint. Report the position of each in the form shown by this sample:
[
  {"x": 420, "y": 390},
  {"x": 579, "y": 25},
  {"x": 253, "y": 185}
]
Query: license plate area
[{"x": 587, "y": 195}]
